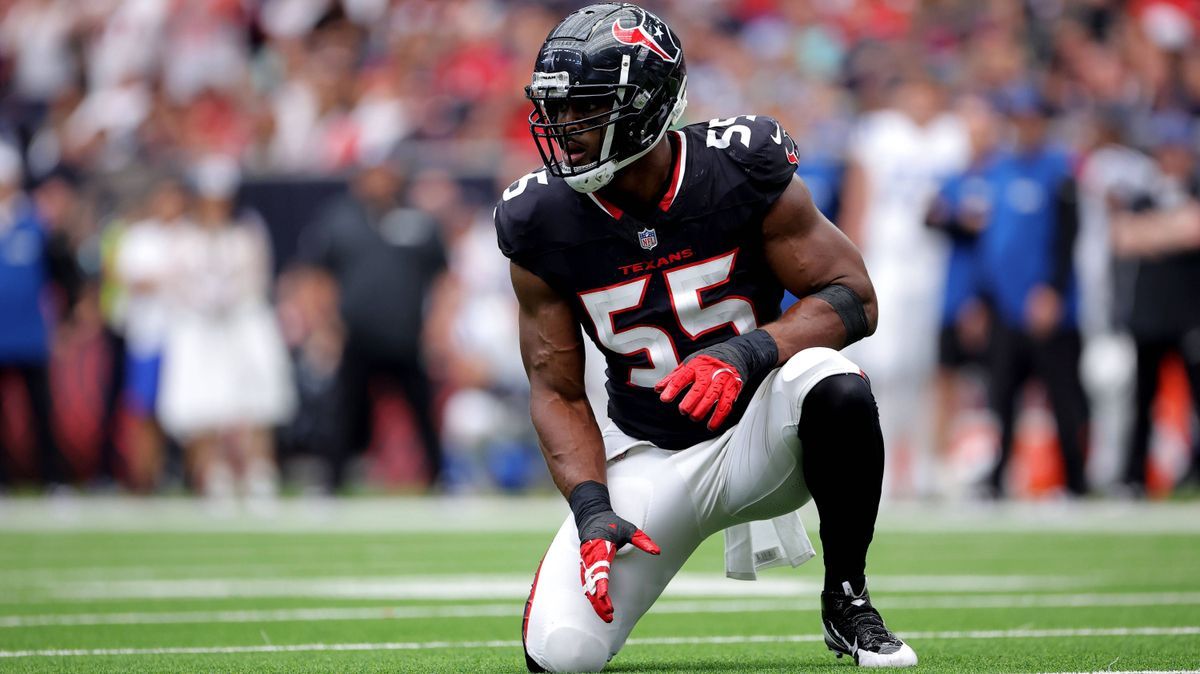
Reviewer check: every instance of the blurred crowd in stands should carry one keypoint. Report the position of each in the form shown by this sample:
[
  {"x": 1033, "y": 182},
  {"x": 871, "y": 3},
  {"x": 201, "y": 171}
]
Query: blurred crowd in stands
[{"x": 246, "y": 243}]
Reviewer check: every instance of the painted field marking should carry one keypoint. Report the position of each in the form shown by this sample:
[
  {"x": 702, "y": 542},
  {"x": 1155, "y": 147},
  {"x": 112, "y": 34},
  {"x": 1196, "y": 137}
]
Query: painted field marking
[
  {"x": 516, "y": 586},
  {"x": 542, "y": 514},
  {"x": 509, "y": 610},
  {"x": 653, "y": 641}
]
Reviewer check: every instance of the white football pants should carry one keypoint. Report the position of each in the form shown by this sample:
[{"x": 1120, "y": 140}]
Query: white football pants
[{"x": 750, "y": 472}]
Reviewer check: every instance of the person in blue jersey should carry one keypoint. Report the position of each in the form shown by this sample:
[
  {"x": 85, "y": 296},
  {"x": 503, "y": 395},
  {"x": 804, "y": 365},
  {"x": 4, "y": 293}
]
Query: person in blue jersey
[
  {"x": 25, "y": 335},
  {"x": 960, "y": 211},
  {"x": 1026, "y": 264}
]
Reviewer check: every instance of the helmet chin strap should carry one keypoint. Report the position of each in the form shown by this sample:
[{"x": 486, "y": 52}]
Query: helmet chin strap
[{"x": 590, "y": 181}]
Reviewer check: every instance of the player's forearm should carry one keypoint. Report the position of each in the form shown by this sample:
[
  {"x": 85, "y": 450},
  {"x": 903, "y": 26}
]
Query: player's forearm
[
  {"x": 807, "y": 323},
  {"x": 570, "y": 440},
  {"x": 1156, "y": 233},
  {"x": 814, "y": 322}
]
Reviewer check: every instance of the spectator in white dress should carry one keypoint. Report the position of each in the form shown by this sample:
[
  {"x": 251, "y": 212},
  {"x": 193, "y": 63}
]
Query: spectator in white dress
[{"x": 226, "y": 377}]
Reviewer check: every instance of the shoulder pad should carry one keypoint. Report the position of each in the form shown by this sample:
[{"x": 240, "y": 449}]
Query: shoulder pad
[
  {"x": 515, "y": 214},
  {"x": 758, "y": 144}
]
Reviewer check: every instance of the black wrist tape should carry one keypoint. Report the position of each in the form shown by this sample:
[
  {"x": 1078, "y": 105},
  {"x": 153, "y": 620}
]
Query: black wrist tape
[
  {"x": 587, "y": 499},
  {"x": 848, "y": 307},
  {"x": 750, "y": 354},
  {"x": 760, "y": 353}
]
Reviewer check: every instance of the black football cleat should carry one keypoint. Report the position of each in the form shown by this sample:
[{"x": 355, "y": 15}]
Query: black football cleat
[{"x": 853, "y": 627}]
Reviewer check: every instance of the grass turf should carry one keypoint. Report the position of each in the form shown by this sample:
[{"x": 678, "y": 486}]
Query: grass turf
[{"x": 77, "y": 571}]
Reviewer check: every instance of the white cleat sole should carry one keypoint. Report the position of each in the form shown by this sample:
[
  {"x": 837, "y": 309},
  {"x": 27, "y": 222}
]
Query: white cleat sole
[{"x": 905, "y": 657}]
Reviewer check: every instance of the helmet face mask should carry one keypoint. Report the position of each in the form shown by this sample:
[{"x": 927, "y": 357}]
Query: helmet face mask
[
  {"x": 590, "y": 116},
  {"x": 608, "y": 83}
]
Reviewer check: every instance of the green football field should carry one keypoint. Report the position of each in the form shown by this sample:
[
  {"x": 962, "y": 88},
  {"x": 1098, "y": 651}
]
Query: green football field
[{"x": 417, "y": 585}]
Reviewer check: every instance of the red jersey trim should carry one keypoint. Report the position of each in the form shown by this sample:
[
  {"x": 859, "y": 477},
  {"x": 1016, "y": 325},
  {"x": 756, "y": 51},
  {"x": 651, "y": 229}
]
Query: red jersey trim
[
  {"x": 613, "y": 212},
  {"x": 668, "y": 199},
  {"x": 676, "y": 175}
]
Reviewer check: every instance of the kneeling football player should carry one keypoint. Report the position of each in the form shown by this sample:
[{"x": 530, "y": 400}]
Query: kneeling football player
[{"x": 671, "y": 251}]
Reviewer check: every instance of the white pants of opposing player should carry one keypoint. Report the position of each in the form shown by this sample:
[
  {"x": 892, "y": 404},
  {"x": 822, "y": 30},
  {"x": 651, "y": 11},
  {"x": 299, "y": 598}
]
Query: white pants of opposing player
[
  {"x": 901, "y": 357},
  {"x": 751, "y": 472}
]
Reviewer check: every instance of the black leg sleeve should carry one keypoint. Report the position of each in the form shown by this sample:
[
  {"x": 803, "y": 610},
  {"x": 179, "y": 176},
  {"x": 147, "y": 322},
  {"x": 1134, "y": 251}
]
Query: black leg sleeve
[{"x": 842, "y": 454}]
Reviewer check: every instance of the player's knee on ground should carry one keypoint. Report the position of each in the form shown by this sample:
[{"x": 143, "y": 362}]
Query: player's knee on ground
[{"x": 568, "y": 649}]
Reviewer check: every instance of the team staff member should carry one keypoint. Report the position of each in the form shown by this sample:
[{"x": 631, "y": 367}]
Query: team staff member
[
  {"x": 387, "y": 260},
  {"x": 1159, "y": 231},
  {"x": 26, "y": 265},
  {"x": 1026, "y": 254}
]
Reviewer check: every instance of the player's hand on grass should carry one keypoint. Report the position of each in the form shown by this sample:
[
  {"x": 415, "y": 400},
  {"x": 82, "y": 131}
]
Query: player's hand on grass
[
  {"x": 601, "y": 534},
  {"x": 716, "y": 376}
]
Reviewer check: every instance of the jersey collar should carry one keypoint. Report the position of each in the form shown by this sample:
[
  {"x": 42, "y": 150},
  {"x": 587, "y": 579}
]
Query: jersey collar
[
  {"x": 673, "y": 189},
  {"x": 676, "y": 174},
  {"x": 607, "y": 206}
]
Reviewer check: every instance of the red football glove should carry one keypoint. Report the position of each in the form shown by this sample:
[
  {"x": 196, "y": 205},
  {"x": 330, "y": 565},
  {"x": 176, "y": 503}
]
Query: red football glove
[
  {"x": 600, "y": 537},
  {"x": 715, "y": 387},
  {"x": 717, "y": 374}
]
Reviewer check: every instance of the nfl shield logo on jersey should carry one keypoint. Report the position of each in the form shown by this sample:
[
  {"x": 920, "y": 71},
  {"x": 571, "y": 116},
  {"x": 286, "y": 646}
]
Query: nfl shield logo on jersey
[{"x": 648, "y": 238}]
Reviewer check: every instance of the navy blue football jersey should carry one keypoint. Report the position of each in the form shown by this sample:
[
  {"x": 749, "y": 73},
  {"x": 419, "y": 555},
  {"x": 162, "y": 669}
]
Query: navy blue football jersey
[{"x": 651, "y": 292}]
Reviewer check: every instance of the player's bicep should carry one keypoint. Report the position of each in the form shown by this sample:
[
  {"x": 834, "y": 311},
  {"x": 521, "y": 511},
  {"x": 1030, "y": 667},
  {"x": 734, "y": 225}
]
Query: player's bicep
[
  {"x": 806, "y": 252},
  {"x": 854, "y": 202},
  {"x": 551, "y": 343}
]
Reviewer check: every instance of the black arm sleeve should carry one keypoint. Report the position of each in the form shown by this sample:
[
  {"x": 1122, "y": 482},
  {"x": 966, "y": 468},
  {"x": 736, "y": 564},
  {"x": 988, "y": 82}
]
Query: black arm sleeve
[{"x": 1067, "y": 206}]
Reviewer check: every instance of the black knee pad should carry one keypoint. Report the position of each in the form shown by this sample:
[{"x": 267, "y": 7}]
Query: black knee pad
[{"x": 840, "y": 396}]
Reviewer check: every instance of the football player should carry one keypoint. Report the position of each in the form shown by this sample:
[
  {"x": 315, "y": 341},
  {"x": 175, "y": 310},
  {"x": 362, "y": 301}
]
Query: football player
[{"x": 671, "y": 251}]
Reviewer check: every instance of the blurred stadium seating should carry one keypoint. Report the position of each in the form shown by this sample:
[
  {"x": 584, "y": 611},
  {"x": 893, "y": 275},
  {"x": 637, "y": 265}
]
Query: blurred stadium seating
[{"x": 100, "y": 101}]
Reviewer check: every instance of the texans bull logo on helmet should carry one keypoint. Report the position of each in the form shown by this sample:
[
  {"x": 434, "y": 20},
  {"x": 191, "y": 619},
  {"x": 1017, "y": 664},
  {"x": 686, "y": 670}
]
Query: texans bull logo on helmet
[{"x": 646, "y": 36}]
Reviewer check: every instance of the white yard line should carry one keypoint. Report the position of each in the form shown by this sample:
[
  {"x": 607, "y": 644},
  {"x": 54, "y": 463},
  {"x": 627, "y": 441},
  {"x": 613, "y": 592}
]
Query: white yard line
[
  {"x": 513, "y": 609},
  {"x": 508, "y": 610},
  {"x": 653, "y": 641},
  {"x": 385, "y": 571},
  {"x": 511, "y": 586},
  {"x": 471, "y": 514},
  {"x": 170, "y": 570}
]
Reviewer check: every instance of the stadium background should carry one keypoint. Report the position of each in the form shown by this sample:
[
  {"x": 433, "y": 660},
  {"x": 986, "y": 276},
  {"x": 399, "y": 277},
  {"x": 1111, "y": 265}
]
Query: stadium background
[
  {"x": 280, "y": 108},
  {"x": 103, "y": 100}
]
